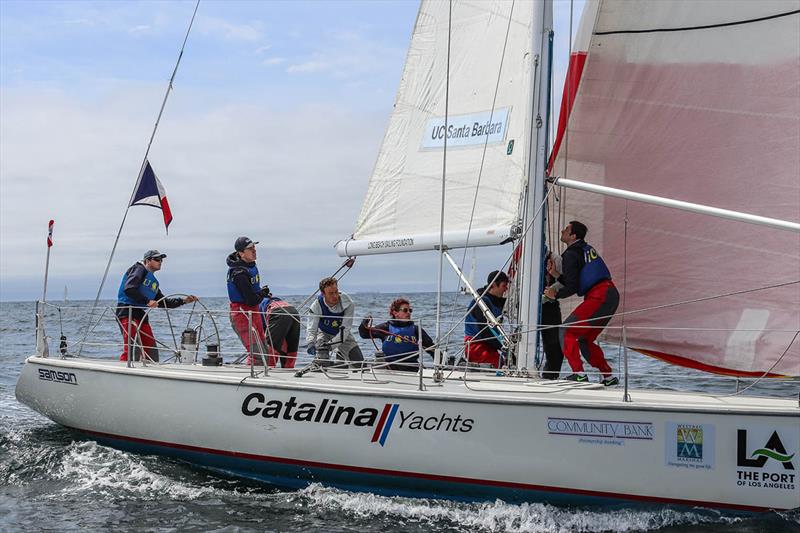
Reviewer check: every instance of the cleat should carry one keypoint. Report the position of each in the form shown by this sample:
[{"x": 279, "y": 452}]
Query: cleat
[
  {"x": 608, "y": 382},
  {"x": 580, "y": 378}
]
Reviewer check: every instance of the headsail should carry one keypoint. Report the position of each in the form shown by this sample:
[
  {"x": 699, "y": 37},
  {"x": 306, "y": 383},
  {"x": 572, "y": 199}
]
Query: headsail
[
  {"x": 489, "y": 98},
  {"x": 697, "y": 101}
]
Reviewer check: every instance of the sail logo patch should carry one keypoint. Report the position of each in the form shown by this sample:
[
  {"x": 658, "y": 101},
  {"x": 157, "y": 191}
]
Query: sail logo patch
[
  {"x": 689, "y": 446},
  {"x": 475, "y": 129},
  {"x": 765, "y": 458}
]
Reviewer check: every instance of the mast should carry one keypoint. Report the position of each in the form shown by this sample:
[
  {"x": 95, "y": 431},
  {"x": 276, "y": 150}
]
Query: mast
[{"x": 533, "y": 226}]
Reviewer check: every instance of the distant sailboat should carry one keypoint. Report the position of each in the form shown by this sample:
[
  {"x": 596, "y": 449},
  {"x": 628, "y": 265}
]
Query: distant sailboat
[
  {"x": 65, "y": 294},
  {"x": 462, "y": 288}
]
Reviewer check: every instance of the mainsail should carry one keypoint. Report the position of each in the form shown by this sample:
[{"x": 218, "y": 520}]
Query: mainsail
[
  {"x": 486, "y": 110},
  {"x": 697, "y": 101}
]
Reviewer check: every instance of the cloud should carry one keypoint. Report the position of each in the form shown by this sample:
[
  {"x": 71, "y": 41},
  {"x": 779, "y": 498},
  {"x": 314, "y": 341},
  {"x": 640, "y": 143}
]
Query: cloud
[
  {"x": 141, "y": 28},
  {"x": 272, "y": 61},
  {"x": 294, "y": 178},
  {"x": 250, "y": 32},
  {"x": 347, "y": 54}
]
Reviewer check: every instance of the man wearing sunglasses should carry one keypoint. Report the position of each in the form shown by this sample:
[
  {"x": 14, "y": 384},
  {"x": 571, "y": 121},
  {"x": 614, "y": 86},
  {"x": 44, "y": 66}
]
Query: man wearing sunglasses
[
  {"x": 138, "y": 291},
  {"x": 400, "y": 337}
]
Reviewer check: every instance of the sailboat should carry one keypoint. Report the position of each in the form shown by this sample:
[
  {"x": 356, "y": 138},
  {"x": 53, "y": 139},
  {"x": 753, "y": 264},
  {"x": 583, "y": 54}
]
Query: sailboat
[{"x": 470, "y": 122}]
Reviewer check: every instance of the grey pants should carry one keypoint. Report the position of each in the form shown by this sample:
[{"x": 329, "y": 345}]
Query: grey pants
[{"x": 345, "y": 349}]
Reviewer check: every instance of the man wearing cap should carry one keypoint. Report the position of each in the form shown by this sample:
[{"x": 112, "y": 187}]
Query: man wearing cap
[
  {"x": 138, "y": 291},
  {"x": 245, "y": 293},
  {"x": 483, "y": 342}
]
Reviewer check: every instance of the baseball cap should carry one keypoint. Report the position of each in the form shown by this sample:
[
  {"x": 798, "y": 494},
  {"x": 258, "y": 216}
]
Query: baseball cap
[
  {"x": 153, "y": 254},
  {"x": 242, "y": 243}
]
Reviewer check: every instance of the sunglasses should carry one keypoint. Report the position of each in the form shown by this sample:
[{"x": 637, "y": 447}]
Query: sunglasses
[
  {"x": 405, "y": 310},
  {"x": 157, "y": 259}
]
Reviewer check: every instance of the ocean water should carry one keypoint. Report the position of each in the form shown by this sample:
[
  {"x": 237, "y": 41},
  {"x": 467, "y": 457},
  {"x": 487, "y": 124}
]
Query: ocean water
[{"x": 54, "y": 479}]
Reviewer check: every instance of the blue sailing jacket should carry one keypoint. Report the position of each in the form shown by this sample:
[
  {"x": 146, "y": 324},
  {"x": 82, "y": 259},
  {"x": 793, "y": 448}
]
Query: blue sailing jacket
[
  {"x": 234, "y": 293},
  {"x": 593, "y": 272},
  {"x": 148, "y": 289}
]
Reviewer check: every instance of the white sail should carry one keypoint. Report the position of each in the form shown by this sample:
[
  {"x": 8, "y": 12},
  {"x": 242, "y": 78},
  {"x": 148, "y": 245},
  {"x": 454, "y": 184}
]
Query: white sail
[
  {"x": 489, "y": 99},
  {"x": 700, "y": 102}
]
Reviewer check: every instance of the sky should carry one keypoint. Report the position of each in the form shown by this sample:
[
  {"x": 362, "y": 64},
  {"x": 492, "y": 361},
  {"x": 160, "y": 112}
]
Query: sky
[{"x": 271, "y": 131}]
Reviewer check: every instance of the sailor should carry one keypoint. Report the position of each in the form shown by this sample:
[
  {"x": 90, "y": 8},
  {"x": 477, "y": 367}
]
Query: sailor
[
  {"x": 551, "y": 317},
  {"x": 483, "y": 341},
  {"x": 138, "y": 291},
  {"x": 281, "y": 323},
  {"x": 400, "y": 337},
  {"x": 246, "y": 293},
  {"x": 330, "y": 318},
  {"x": 584, "y": 273}
]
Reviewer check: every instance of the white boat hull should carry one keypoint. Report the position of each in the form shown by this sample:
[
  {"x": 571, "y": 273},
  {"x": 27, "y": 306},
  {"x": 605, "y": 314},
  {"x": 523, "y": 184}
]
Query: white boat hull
[{"x": 523, "y": 441}]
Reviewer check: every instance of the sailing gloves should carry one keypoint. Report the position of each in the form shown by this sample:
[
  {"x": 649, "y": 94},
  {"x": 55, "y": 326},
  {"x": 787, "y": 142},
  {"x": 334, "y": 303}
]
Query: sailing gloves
[{"x": 311, "y": 349}]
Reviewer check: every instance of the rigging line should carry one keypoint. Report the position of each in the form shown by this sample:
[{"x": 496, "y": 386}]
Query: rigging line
[
  {"x": 144, "y": 161},
  {"x": 510, "y": 257},
  {"x": 705, "y": 27},
  {"x": 675, "y": 304},
  {"x": 444, "y": 168},
  {"x": 485, "y": 147},
  {"x": 767, "y": 372}
]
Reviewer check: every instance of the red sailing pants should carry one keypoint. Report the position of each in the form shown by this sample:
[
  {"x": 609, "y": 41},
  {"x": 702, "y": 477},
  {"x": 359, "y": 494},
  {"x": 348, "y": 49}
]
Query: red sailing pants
[
  {"x": 601, "y": 301},
  {"x": 241, "y": 324},
  {"x": 481, "y": 352},
  {"x": 145, "y": 337}
]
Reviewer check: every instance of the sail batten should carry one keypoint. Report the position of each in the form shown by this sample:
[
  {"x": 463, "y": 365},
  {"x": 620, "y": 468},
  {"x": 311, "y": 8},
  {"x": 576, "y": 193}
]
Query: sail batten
[{"x": 711, "y": 117}]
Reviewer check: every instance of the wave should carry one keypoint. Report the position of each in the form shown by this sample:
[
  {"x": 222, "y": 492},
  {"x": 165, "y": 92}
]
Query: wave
[{"x": 501, "y": 516}]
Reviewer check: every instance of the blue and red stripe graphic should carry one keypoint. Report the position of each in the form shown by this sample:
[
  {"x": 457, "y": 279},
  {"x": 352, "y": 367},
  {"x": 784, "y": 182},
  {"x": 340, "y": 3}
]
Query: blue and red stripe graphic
[{"x": 385, "y": 423}]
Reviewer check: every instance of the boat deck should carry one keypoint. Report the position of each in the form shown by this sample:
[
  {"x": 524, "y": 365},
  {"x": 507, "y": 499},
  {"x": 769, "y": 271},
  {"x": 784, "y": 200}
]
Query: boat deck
[{"x": 474, "y": 386}]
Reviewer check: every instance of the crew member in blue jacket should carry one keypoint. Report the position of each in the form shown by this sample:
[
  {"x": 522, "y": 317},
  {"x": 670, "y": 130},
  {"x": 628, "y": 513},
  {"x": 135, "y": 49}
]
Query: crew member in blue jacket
[
  {"x": 400, "y": 337},
  {"x": 483, "y": 341},
  {"x": 246, "y": 293},
  {"x": 585, "y": 274},
  {"x": 138, "y": 291}
]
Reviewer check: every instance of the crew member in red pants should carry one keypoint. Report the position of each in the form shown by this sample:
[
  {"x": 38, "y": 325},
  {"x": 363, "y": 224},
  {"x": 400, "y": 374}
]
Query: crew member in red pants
[
  {"x": 585, "y": 274},
  {"x": 138, "y": 291}
]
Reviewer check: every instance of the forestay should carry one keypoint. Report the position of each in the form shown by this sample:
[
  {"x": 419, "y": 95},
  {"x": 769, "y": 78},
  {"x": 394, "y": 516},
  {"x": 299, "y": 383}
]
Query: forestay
[
  {"x": 697, "y": 101},
  {"x": 486, "y": 133}
]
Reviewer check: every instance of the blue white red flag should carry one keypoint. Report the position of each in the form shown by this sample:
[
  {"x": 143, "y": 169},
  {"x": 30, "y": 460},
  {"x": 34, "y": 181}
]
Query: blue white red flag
[{"x": 149, "y": 191}]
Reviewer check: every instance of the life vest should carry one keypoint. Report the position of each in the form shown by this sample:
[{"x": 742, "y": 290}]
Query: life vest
[
  {"x": 401, "y": 342},
  {"x": 233, "y": 291},
  {"x": 593, "y": 272},
  {"x": 329, "y": 322},
  {"x": 148, "y": 289},
  {"x": 473, "y": 329}
]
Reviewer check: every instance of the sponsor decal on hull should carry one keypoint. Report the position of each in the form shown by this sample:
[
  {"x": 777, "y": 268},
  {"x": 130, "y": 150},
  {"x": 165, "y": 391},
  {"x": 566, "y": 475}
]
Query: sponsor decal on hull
[
  {"x": 330, "y": 411},
  {"x": 766, "y": 457},
  {"x": 606, "y": 432},
  {"x": 689, "y": 446},
  {"x": 68, "y": 378}
]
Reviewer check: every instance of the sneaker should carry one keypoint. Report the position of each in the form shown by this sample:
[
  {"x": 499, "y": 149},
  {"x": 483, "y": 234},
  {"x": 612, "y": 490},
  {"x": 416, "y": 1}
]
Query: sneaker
[
  {"x": 580, "y": 378},
  {"x": 608, "y": 382}
]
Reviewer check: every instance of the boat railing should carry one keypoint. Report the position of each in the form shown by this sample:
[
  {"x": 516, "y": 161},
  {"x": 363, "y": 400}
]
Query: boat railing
[{"x": 197, "y": 334}]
